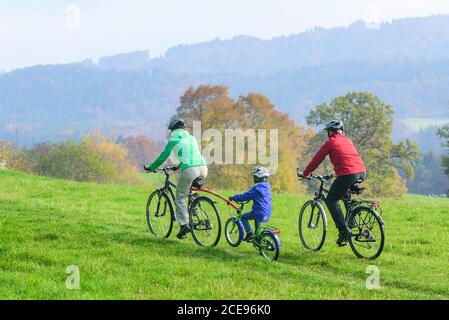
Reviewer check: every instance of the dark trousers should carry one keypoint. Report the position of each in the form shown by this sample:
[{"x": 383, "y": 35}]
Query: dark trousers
[
  {"x": 338, "y": 190},
  {"x": 245, "y": 220}
]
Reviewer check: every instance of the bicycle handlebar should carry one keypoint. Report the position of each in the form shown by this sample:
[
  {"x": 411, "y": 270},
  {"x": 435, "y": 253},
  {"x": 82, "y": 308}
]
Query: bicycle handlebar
[
  {"x": 242, "y": 203},
  {"x": 167, "y": 170},
  {"x": 326, "y": 177}
]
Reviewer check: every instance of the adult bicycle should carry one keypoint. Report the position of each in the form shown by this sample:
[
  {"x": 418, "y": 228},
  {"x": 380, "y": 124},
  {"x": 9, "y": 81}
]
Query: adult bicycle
[
  {"x": 363, "y": 217},
  {"x": 204, "y": 218}
]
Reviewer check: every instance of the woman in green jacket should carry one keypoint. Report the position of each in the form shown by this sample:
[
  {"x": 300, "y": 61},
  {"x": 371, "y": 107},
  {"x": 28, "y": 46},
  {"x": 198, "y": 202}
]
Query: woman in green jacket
[{"x": 191, "y": 163}]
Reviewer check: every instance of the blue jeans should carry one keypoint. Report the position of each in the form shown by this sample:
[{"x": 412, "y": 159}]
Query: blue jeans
[{"x": 245, "y": 220}]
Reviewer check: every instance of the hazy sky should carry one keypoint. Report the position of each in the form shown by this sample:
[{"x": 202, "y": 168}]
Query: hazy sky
[{"x": 61, "y": 31}]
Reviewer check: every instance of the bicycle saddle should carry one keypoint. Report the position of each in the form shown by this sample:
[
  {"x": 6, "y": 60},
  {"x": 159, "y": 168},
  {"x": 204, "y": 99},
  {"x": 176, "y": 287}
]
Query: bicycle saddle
[
  {"x": 198, "y": 183},
  {"x": 356, "y": 188}
]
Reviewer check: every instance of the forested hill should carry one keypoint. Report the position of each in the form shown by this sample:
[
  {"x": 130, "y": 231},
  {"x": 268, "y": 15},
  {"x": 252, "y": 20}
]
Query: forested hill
[
  {"x": 405, "y": 63},
  {"x": 406, "y": 39}
]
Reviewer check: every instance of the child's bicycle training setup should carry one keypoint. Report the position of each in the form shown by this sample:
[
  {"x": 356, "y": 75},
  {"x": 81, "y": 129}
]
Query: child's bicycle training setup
[{"x": 194, "y": 207}]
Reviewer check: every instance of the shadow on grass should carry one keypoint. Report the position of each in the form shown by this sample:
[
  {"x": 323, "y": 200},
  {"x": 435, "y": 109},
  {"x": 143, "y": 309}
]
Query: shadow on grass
[
  {"x": 296, "y": 258},
  {"x": 175, "y": 247}
]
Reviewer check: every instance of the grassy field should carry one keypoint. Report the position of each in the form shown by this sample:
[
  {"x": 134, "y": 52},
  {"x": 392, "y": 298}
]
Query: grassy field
[{"x": 47, "y": 225}]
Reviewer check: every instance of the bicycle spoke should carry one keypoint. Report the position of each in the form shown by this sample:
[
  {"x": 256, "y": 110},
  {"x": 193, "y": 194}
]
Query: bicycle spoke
[
  {"x": 368, "y": 240},
  {"x": 312, "y": 226},
  {"x": 205, "y": 222},
  {"x": 159, "y": 215},
  {"x": 267, "y": 246}
]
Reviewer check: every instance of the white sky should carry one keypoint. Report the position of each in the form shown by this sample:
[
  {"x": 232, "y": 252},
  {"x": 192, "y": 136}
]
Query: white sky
[{"x": 50, "y": 32}]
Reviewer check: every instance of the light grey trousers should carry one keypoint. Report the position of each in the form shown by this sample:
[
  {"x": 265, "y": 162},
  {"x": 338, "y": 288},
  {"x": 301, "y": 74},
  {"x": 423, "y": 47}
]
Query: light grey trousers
[{"x": 185, "y": 180}]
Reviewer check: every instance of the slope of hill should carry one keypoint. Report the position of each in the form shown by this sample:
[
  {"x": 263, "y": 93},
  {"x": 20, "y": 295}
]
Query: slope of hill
[{"x": 47, "y": 225}]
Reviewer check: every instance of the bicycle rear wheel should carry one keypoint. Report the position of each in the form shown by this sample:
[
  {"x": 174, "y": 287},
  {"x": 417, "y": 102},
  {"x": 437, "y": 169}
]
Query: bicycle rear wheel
[
  {"x": 368, "y": 233},
  {"x": 312, "y": 225},
  {"x": 160, "y": 214},
  {"x": 205, "y": 222},
  {"x": 268, "y": 245}
]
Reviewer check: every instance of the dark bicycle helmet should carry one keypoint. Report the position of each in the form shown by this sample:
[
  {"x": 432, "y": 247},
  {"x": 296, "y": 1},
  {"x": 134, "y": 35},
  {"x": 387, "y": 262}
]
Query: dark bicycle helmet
[
  {"x": 334, "y": 125},
  {"x": 176, "y": 123}
]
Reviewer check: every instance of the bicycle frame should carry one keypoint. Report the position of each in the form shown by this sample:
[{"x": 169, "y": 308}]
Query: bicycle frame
[
  {"x": 361, "y": 216},
  {"x": 170, "y": 185},
  {"x": 259, "y": 227},
  {"x": 350, "y": 203}
]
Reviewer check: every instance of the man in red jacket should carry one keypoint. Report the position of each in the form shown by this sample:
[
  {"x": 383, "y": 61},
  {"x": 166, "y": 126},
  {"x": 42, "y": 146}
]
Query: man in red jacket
[{"x": 349, "y": 168}]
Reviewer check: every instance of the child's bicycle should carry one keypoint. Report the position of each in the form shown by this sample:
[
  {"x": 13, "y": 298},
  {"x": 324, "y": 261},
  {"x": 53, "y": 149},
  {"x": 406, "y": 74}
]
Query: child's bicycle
[
  {"x": 265, "y": 241},
  {"x": 363, "y": 217}
]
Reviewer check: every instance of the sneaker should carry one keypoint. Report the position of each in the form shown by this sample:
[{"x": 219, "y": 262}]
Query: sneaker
[
  {"x": 249, "y": 237},
  {"x": 343, "y": 238},
  {"x": 185, "y": 229}
]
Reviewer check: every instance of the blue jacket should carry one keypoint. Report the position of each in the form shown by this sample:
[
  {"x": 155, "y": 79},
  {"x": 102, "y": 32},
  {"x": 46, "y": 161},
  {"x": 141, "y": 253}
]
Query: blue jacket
[{"x": 260, "y": 194}]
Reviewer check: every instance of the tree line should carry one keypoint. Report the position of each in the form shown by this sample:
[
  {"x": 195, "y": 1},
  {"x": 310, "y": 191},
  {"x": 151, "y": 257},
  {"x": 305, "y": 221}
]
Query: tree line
[
  {"x": 367, "y": 119},
  {"x": 94, "y": 158},
  {"x": 368, "y": 122}
]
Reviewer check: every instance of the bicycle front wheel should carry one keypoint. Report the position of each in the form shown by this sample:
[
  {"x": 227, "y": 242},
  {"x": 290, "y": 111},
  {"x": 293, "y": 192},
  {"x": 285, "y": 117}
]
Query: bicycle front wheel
[
  {"x": 233, "y": 232},
  {"x": 312, "y": 225},
  {"x": 368, "y": 233},
  {"x": 205, "y": 222},
  {"x": 160, "y": 214}
]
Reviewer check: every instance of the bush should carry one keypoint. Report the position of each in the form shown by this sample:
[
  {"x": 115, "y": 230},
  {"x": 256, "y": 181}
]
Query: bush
[
  {"x": 6, "y": 150},
  {"x": 94, "y": 159}
]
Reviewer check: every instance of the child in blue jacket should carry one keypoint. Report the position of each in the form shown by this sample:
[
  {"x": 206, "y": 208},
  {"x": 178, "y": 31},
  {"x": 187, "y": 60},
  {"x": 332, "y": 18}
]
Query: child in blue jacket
[{"x": 260, "y": 194}]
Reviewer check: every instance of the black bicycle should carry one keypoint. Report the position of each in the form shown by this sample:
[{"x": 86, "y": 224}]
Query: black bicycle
[
  {"x": 363, "y": 217},
  {"x": 204, "y": 219}
]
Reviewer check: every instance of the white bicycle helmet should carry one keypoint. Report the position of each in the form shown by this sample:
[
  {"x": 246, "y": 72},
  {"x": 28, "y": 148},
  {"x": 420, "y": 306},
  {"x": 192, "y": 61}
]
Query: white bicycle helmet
[
  {"x": 260, "y": 172},
  {"x": 335, "y": 125}
]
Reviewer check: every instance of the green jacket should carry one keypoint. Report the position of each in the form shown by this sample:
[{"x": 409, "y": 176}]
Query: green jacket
[{"x": 185, "y": 148}]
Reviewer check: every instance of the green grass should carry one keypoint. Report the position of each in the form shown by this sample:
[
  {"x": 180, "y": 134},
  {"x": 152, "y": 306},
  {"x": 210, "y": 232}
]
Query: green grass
[{"x": 47, "y": 225}]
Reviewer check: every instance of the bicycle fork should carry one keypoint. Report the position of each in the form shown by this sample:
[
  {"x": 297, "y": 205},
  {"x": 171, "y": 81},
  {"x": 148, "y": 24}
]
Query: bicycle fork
[
  {"x": 159, "y": 207},
  {"x": 310, "y": 224}
]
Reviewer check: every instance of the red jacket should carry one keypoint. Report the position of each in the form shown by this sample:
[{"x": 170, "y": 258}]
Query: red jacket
[{"x": 343, "y": 155}]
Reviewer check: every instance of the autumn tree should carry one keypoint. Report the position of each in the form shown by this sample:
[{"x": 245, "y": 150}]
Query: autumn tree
[
  {"x": 67, "y": 160},
  {"x": 6, "y": 151},
  {"x": 11, "y": 157},
  {"x": 141, "y": 150},
  {"x": 93, "y": 159},
  {"x": 196, "y": 104},
  {"x": 368, "y": 122},
  {"x": 250, "y": 116},
  {"x": 115, "y": 155}
]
